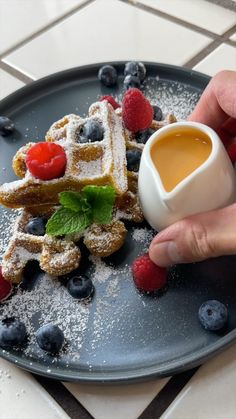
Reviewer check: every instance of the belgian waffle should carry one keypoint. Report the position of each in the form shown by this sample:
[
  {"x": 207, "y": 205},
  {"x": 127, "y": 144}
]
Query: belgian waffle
[
  {"x": 55, "y": 256},
  {"x": 98, "y": 163}
]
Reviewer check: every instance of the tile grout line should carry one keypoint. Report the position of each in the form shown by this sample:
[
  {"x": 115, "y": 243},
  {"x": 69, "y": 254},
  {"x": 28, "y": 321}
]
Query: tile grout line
[
  {"x": 171, "y": 18},
  {"x": 216, "y": 38},
  {"x": 210, "y": 48},
  {"x": 72, "y": 407},
  {"x": 15, "y": 73},
  {"x": 167, "y": 395},
  {"x": 45, "y": 28},
  {"x": 226, "y": 4}
]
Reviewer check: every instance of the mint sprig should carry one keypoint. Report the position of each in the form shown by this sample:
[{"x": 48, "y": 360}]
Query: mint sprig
[{"x": 94, "y": 204}]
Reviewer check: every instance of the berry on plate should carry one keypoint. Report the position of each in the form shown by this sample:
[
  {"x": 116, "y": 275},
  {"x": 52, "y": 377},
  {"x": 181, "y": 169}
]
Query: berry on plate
[
  {"x": 50, "y": 338},
  {"x": 213, "y": 315},
  {"x": 5, "y": 287},
  {"x": 6, "y": 126},
  {"x": 46, "y": 160},
  {"x": 91, "y": 131},
  {"x": 12, "y": 332},
  {"x": 137, "y": 112},
  {"x": 80, "y": 287},
  {"x": 108, "y": 75},
  {"x": 143, "y": 136},
  {"x": 37, "y": 226},
  {"x": 131, "y": 81},
  {"x": 158, "y": 115},
  {"x": 147, "y": 276},
  {"x": 111, "y": 100},
  {"x": 135, "y": 68},
  {"x": 133, "y": 160}
]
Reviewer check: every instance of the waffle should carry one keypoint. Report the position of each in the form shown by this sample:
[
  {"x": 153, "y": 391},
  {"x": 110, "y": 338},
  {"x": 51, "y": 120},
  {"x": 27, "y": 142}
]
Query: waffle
[
  {"x": 55, "y": 256},
  {"x": 97, "y": 163}
]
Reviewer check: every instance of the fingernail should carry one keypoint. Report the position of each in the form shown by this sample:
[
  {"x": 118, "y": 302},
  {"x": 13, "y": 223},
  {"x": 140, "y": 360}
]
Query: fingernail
[{"x": 165, "y": 253}]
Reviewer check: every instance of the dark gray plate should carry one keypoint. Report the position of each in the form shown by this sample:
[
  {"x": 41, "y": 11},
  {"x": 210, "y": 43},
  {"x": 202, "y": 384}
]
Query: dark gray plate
[{"x": 121, "y": 335}]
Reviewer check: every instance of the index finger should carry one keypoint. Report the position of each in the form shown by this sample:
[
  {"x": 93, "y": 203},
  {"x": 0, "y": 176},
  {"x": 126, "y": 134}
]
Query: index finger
[{"x": 218, "y": 101}]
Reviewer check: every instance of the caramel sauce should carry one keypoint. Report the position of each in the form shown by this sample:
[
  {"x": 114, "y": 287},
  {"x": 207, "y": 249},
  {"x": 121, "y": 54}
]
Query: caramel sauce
[{"x": 179, "y": 153}]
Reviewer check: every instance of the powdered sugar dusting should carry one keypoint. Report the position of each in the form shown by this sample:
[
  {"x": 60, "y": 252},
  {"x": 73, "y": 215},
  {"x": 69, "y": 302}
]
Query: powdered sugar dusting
[
  {"x": 143, "y": 235},
  {"x": 33, "y": 307},
  {"x": 7, "y": 222},
  {"x": 102, "y": 272},
  {"x": 172, "y": 96}
]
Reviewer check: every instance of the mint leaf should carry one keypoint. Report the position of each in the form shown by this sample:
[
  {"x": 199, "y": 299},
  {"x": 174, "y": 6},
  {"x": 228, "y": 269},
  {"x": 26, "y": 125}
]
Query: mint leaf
[
  {"x": 66, "y": 221},
  {"x": 74, "y": 201},
  {"x": 101, "y": 200},
  {"x": 79, "y": 210}
]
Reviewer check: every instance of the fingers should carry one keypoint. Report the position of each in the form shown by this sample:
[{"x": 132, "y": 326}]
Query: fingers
[
  {"x": 218, "y": 101},
  {"x": 196, "y": 238}
]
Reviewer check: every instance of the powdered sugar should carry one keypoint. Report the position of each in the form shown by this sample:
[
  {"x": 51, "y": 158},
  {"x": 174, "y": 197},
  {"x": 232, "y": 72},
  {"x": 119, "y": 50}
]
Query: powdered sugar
[
  {"x": 143, "y": 235},
  {"x": 7, "y": 222},
  {"x": 171, "y": 96}
]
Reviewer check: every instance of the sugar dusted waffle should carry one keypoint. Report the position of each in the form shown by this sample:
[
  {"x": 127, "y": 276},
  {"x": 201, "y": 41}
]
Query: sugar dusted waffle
[
  {"x": 98, "y": 163},
  {"x": 59, "y": 256},
  {"x": 56, "y": 256}
]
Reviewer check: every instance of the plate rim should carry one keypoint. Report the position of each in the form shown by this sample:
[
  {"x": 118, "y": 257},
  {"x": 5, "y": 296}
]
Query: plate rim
[{"x": 112, "y": 377}]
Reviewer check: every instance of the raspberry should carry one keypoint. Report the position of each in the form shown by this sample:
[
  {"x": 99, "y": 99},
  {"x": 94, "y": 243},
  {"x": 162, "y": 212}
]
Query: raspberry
[
  {"x": 5, "y": 287},
  {"x": 148, "y": 276},
  {"x": 46, "y": 161},
  {"x": 111, "y": 100},
  {"x": 231, "y": 149},
  {"x": 137, "y": 111}
]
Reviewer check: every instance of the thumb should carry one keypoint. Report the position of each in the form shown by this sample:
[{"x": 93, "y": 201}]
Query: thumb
[{"x": 196, "y": 238}]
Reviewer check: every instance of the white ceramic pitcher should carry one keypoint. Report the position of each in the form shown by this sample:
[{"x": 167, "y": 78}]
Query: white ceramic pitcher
[{"x": 212, "y": 185}]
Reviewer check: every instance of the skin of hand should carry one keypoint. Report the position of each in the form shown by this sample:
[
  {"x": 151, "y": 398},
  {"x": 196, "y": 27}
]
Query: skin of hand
[{"x": 213, "y": 233}]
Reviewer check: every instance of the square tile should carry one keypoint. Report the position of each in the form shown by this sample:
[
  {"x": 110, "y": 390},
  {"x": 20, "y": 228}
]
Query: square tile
[
  {"x": 199, "y": 12},
  {"x": 222, "y": 58},
  {"x": 8, "y": 84},
  {"x": 210, "y": 394},
  {"x": 22, "y": 397},
  {"x": 233, "y": 37},
  {"x": 107, "y": 30},
  {"x": 116, "y": 402},
  {"x": 21, "y": 18}
]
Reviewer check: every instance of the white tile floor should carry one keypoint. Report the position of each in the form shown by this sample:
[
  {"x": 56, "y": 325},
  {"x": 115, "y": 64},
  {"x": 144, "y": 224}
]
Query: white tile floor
[
  {"x": 126, "y": 401},
  {"x": 223, "y": 57},
  {"x": 20, "y": 19},
  {"x": 21, "y": 397},
  {"x": 210, "y": 393},
  {"x": 198, "y": 12},
  {"x": 85, "y": 37},
  {"x": 74, "y": 42}
]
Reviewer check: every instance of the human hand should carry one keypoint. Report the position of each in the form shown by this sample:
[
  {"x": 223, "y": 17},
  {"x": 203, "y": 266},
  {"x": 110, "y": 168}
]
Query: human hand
[{"x": 213, "y": 233}]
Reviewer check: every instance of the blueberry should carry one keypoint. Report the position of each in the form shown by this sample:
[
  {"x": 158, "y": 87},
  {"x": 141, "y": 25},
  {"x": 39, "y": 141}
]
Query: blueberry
[
  {"x": 12, "y": 332},
  {"x": 91, "y": 131},
  {"x": 157, "y": 113},
  {"x": 6, "y": 126},
  {"x": 133, "y": 160},
  {"x": 213, "y": 315},
  {"x": 37, "y": 226},
  {"x": 80, "y": 287},
  {"x": 50, "y": 338},
  {"x": 108, "y": 75},
  {"x": 135, "y": 68},
  {"x": 132, "y": 81},
  {"x": 143, "y": 136}
]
